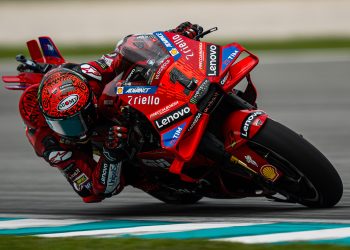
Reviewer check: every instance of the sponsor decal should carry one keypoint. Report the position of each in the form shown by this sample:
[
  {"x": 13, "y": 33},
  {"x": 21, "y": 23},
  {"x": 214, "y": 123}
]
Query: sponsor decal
[
  {"x": 195, "y": 121},
  {"x": 143, "y": 100},
  {"x": 80, "y": 181},
  {"x": 212, "y": 102},
  {"x": 133, "y": 74},
  {"x": 228, "y": 54},
  {"x": 67, "y": 85},
  {"x": 161, "y": 68},
  {"x": 130, "y": 90},
  {"x": 112, "y": 55},
  {"x": 201, "y": 91},
  {"x": 113, "y": 177},
  {"x": 173, "y": 117},
  {"x": 164, "y": 109},
  {"x": 48, "y": 47},
  {"x": 102, "y": 63},
  {"x": 71, "y": 172},
  {"x": 269, "y": 172},
  {"x": 144, "y": 36},
  {"x": 171, "y": 137},
  {"x": 130, "y": 75},
  {"x": 68, "y": 102},
  {"x": 212, "y": 60},
  {"x": 224, "y": 79},
  {"x": 250, "y": 160},
  {"x": 168, "y": 45},
  {"x": 107, "y": 155},
  {"x": 161, "y": 163},
  {"x": 248, "y": 122},
  {"x": 103, "y": 174},
  {"x": 107, "y": 60},
  {"x": 201, "y": 56},
  {"x": 181, "y": 44},
  {"x": 59, "y": 156},
  {"x": 91, "y": 71},
  {"x": 258, "y": 122}
]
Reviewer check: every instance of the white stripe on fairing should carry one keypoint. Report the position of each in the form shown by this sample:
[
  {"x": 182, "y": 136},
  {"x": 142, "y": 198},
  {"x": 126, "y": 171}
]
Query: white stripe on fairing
[
  {"x": 323, "y": 234},
  {"x": 149, "y": 229},
  {"x": 25, "y": 223}
]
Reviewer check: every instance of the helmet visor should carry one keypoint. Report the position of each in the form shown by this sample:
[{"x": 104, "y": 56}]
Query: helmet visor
[{"x": 75, "y": 126}]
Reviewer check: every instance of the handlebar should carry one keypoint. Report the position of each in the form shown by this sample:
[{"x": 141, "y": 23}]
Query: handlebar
[{"x": 30, "y": 64}]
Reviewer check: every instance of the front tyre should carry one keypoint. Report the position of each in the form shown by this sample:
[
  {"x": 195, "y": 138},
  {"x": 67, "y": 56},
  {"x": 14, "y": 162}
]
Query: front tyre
[{"x": 309, "y": 178}]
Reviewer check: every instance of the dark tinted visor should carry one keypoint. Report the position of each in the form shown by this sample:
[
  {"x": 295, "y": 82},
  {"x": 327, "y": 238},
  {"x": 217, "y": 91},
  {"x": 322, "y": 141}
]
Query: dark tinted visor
[{"x": 72, "y": 127}]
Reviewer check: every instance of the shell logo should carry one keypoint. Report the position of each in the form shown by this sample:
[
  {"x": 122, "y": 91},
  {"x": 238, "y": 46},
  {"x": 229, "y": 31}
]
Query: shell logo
[
  {"x": 120, "y": 90},
  {"x": 174, "y": 52},
  {"x": 269, "y": 172},
  {"x": 68, "y": 102}
]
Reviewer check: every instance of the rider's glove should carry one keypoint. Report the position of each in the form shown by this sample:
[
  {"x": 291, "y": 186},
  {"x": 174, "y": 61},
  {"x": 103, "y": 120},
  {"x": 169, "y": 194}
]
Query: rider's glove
[
  {"x": 113, "y": 148},
  {"x": 188, "y": 29}
]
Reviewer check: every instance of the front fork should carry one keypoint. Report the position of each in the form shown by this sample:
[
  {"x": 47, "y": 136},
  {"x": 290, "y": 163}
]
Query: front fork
[{"x": 239, "y": 128}]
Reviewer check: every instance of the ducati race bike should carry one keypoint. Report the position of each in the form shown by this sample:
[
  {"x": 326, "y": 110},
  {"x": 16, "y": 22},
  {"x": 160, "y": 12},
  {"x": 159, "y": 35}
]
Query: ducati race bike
[{"x": 196, "y": 130}]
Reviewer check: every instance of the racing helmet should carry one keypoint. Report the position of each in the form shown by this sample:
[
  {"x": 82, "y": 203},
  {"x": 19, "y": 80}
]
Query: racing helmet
[{"x": 67, "y": 103}]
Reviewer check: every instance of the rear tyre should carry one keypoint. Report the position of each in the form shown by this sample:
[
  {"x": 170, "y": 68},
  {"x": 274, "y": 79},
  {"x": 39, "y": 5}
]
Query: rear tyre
[{"x": 318, "y": 185}]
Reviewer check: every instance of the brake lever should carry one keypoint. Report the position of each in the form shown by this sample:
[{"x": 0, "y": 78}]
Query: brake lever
[{"x": 197, "y": 37}]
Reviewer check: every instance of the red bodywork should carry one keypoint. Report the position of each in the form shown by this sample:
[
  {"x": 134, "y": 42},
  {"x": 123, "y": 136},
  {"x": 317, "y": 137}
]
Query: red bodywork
[{"x": 201, "y": 62}]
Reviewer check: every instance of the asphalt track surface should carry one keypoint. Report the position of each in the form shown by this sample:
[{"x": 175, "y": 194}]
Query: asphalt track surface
[{"x": 308, "y": 92}]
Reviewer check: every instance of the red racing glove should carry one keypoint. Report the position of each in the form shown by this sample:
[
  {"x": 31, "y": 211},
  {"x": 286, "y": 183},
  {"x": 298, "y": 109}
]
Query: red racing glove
[
  {"x": 188, "y": 29},
  {"x": 113, "y": 147}
]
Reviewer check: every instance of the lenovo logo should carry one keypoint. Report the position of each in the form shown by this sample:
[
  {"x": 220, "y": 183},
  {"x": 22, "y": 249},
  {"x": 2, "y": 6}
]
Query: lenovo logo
[
  {"x": 248, "y": 122},
  {"x": 212, "y": 60},
  {"x": 173, "y": 117}
]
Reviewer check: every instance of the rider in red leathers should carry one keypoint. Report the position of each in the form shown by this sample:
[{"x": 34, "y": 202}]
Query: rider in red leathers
[{"x": 61, "y": 124}]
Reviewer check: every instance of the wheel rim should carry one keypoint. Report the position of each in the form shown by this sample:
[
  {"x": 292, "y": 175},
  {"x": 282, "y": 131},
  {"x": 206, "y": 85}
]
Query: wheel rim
[{"x": 291, "y": 175}]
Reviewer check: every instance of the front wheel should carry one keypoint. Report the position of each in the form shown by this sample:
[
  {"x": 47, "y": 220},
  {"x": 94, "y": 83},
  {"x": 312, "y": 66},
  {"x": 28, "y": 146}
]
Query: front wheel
[{"x": 308, "y": 177}]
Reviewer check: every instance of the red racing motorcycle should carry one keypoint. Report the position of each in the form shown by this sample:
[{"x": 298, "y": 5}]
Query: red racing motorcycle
[{"x": 196, "y": 130}]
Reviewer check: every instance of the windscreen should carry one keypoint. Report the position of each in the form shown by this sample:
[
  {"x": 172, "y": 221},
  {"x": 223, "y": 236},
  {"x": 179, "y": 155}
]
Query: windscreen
[{"x": 147, "y": 53}]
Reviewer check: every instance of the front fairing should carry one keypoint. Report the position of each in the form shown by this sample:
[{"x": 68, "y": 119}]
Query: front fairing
[{"x": 183, "y": 84}]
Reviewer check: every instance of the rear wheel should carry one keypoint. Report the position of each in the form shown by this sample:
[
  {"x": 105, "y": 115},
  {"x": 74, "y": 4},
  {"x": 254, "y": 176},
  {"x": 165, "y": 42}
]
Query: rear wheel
[{"x": 308, "y": 177}]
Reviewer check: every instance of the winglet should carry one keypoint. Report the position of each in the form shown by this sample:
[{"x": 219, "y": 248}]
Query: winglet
[
  {"x": 51, "y": 54},
  {"x": 35, "y": 52}
]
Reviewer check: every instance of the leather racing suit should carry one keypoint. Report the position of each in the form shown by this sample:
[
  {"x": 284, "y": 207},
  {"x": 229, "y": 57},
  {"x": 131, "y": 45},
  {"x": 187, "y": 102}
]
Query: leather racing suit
[{"x": 93, "y": 179}]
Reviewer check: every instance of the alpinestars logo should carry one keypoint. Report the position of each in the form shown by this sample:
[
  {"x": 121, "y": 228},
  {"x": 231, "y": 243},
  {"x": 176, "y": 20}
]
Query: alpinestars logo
[
  {"x": 59, "y": 156},
  {"x": 212, "y": 60},
  {"x": 91, "y": 71},
  {"x": 173, "y": 117}
]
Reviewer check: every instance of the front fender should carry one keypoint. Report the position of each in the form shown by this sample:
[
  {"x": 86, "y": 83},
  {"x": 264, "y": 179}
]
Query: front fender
[{"x": 242, "y": 125}]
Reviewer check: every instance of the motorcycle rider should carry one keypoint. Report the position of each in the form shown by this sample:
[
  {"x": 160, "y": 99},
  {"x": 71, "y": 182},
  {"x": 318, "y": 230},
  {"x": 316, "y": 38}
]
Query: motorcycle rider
[{"x": 62, "y": 114}]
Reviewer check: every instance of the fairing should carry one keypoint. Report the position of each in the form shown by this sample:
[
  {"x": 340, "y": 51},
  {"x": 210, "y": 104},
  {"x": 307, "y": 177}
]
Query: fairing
[{"x": 185, "y": 81}]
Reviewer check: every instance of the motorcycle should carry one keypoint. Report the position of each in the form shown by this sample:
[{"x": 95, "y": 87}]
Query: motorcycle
[{"x": 196, "y": 130}]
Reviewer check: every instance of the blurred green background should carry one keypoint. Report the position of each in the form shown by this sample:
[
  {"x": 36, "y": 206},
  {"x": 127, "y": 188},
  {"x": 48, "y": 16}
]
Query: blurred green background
[{"x": 94, "y": 27}]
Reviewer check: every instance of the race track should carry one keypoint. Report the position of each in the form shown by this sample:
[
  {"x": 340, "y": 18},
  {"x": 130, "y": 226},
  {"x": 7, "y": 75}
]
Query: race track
[{"x": 308, "y": 92}]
